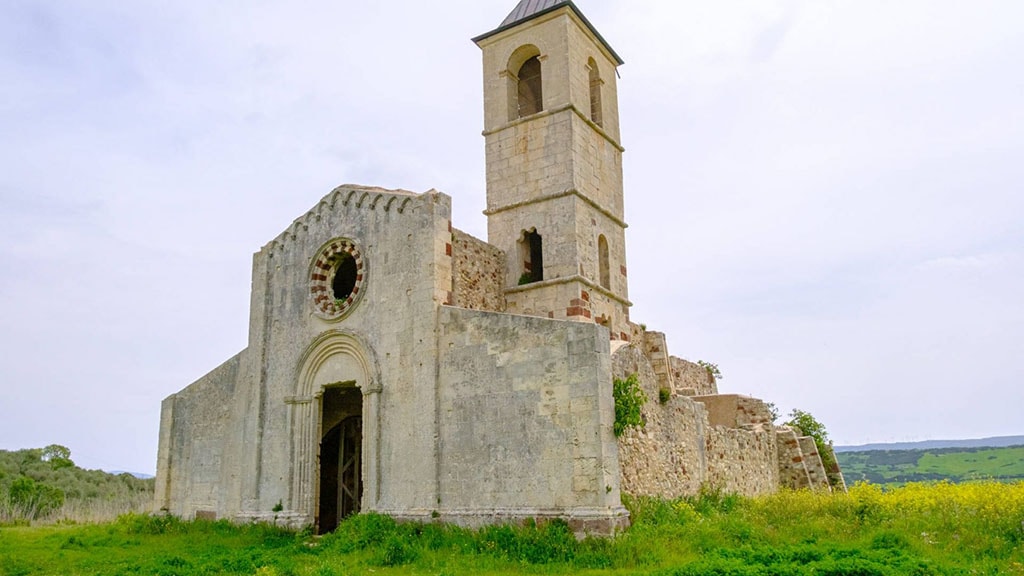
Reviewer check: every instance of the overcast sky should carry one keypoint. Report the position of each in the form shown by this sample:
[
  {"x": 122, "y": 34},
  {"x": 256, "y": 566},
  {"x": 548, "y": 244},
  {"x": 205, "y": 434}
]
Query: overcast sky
[{"x": 825, "y": 198}]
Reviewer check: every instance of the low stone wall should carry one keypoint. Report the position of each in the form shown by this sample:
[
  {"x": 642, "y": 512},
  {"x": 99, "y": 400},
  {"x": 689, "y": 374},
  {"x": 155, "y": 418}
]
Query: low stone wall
[
  {"x": 478, "y": 274},
  {"x": 736, "y": 411},
  {"x": 666, "y": 457},
  {"x": 723, "y": 441},
  {"x": 742, "y": 461},
  {"x": 692, "y": 379}
]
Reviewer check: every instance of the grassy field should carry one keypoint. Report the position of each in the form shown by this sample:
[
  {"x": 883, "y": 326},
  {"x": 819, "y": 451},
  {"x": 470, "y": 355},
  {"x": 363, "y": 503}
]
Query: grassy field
[
  {"x": 920, "y": 530},
  {"x": 894, "y": 467}
]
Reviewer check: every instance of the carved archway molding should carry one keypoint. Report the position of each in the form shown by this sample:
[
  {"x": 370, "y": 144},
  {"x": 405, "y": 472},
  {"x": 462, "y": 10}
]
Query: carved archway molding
[{"x": 332, "y": 357}]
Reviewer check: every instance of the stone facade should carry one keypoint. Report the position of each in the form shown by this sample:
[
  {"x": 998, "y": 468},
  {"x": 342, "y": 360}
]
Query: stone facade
[{"x": 398, "y": 365}]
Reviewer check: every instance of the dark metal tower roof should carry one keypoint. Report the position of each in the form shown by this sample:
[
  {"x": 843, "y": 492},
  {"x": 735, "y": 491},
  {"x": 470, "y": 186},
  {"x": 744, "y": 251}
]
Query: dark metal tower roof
[{"x": 529, "y": 9}]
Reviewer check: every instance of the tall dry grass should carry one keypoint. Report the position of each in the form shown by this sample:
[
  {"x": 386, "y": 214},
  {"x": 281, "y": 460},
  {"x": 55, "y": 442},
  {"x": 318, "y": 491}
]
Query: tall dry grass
[{"x": 76, "y": 510}]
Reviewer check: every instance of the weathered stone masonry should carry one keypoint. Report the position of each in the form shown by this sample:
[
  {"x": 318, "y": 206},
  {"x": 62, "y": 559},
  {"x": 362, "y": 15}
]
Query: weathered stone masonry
[
  {"x": 478, "y": 274},
  {"x": 398, "y": 365}
]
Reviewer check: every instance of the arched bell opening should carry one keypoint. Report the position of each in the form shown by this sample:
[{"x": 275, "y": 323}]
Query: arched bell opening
[{"x": 525, "y": 82}]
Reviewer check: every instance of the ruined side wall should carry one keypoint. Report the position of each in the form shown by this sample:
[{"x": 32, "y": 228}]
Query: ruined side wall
[
  {"x": 741, "y": 448},
  {"x": 691, "y": 379},
  {"x": 667, "y": 457},
  {"x": 723, "y": 441},
  {"x": 525, "y": 421},
  {"x": 193, "y": 433},
  {"x": 478, "y": 274},
  {"x": 736, "y": 411},
  {"x": 742, "y": 461}
]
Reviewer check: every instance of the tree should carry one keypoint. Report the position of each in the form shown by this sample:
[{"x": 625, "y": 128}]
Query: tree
[
  {"x": 808, "y": 425},
  {"x": 58, "y": 456},
  {"x": 35, "y": 499}
]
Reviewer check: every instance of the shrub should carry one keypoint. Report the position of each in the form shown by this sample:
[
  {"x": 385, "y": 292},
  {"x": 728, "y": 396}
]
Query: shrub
[
  {"x": 147, "y": 524},
  {"x": 808, "y": 425},
  {"x": 713, "y": 499},
  {"x": 629, "y": 399},
  {"x": 396, "y": 551},
  {"x": 664, "y": 394},
  {"x": 34, "y": 499},
  {"x": 360, "y": 532},
  {"x": 712, "y": 369},
  {"x": 548, "y": 542}
]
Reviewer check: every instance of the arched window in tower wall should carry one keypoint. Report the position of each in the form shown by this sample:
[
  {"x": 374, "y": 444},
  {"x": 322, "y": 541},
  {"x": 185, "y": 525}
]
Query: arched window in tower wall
[
  {"x": 529, "y": 92},
  {"x": 602, "y": 262},
  {"x": 595, "y": 93},
  {"x": 532, "y": 256}
]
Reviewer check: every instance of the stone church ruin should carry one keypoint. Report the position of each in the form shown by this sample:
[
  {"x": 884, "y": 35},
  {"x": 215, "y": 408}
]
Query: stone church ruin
[{"x": 400, "y": 366}]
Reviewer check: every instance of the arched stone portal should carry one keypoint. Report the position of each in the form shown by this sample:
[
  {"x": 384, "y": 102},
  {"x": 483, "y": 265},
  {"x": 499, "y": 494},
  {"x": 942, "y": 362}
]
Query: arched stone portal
[
  {"x": 340, "y": 491},
  {"x": 337, "y": 402}
]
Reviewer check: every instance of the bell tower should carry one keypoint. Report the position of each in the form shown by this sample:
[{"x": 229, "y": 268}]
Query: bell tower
[{"x": 554, "y": 165}]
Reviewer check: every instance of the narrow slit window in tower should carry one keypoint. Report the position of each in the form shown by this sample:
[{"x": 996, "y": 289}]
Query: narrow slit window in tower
[
  {"x": 595, "y": 93},
  {"x": 602, "y": 261}
]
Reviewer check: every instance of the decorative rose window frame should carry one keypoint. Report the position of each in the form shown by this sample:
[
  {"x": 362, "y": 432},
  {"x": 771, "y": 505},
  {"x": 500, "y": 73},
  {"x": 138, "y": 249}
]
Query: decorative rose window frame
[{"x": 322, "y": 274}]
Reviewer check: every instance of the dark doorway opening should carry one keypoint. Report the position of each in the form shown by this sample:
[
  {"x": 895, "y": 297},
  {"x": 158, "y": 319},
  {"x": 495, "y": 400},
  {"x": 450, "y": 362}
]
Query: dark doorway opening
[{"x": 341, "y": 458}]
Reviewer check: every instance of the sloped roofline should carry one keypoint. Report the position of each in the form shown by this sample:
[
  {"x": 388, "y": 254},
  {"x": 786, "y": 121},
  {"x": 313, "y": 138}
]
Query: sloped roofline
[{"x": 506, "y": 25}]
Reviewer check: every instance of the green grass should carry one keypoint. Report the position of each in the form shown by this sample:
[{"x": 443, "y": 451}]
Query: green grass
[
  {"x": 894, "y": 467},
  {"x": 919, "y": 530},
  {"x": 981, "y": 464}
]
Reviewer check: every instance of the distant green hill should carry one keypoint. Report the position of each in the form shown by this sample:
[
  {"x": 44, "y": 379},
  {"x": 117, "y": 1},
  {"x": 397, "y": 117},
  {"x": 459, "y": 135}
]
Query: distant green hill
[
  {"x": 994, "y": 442},
  {"x": 44, "y": 484},
  {"x": 894, "y": 467}
]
